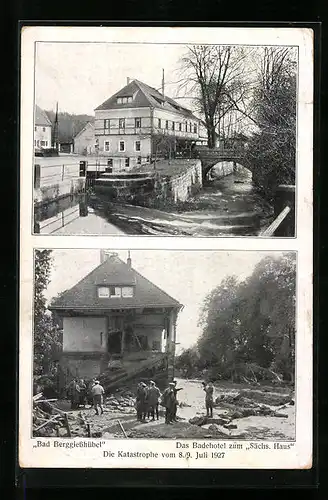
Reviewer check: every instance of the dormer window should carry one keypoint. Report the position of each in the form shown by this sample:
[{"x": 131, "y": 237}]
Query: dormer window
[
  {"x": 127, "y": 291},
  {"x": 124, "y": 100},
  {"x": 106, "y": 292}
]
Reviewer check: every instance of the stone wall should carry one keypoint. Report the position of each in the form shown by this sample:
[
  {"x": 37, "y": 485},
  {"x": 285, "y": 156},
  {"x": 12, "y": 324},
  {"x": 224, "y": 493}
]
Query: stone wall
[{"x": 181, "y": 185}]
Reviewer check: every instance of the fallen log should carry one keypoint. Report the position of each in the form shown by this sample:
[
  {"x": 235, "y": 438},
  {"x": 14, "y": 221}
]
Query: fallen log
[
  {"x": 67, "y": 426},
  {"x": 45, "y": 400},
  {"x": 52, "y": 419},
  {"x": 122, "y": 428},
  {"x": 37, "y": 396}
]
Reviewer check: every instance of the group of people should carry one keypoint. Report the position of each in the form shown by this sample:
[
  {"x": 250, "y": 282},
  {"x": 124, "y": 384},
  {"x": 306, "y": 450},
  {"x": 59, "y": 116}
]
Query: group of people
[
  {"x": 149, "y": 398},
  {"x": 80, "y": 394}
]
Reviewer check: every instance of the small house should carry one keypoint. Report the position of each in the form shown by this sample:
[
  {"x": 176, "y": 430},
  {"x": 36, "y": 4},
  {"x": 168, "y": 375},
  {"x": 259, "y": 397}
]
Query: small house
[
  {"x": 42, "y": 129},
  {"x": 116, "y": 324},
  {"x": 85, "y": 140}
]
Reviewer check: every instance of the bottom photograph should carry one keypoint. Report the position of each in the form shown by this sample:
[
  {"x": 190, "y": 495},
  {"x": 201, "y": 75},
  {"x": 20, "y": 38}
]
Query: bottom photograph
[{"x": 162, "y": 344}]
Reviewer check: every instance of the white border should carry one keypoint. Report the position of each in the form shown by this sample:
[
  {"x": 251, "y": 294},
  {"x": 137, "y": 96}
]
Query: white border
[{"x": 300, "y": 455}]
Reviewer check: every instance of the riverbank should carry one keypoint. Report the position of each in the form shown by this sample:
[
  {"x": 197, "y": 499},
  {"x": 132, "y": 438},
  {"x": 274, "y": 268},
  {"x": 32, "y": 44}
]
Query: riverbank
[
  {"x": 268, "y": 420},
  {"x": 228, "y": 206}
]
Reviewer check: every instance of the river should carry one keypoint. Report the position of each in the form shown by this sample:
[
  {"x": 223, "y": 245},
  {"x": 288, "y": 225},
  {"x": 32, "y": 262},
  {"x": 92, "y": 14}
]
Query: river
[{"x": 228, "y": 206}]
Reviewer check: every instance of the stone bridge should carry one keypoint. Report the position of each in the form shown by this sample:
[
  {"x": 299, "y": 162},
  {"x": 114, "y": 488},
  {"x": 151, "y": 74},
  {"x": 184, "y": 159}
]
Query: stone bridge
[{"x": 210, "y": 157}]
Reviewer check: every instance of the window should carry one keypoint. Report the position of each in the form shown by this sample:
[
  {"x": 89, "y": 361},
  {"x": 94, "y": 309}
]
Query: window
[
  {"x": 121, "y": 146},
  {"x": 121, "y": 123},
  {"x": 127, "y": 162},
  {"x": 180, "y": 126},
  {"x": 156, "y": 345},
  {"x": 106, "y": 146},
  {"x": 101, "y": 339},
  {"x": 172, "y": 125},
  {"x": 127, "y": 291},
  {"x": 195, "y": 128},
  {"x": 35, "y": 129},
  {"x": 43, "y": 129},
  {"x": 166, "y": 124},
  {"x": 103, "y": 292},
  {"x": 110, "y": 162},
  {"x": 190, "y": 129},
  {"x": 46, "y": 144},
  {"x": 124, "y": 100},
  {"x": 139, "y": 160},
  {"x": 115, "y": 291},
  {"x": 137, "y": 145},
  {"x": 159, "y": 123},
  {"x": 34, "y": 142},
  {"x": 137, "y": 122},
  {"x": 43, "y": 143},
  {"x": 107, "y": 124}
]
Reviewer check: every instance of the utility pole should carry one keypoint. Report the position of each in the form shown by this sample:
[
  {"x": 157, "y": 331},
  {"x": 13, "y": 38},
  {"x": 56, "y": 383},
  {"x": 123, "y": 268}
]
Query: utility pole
[
  {"x": 55, "y": 141},
  {"x": 163, "y": 86}
]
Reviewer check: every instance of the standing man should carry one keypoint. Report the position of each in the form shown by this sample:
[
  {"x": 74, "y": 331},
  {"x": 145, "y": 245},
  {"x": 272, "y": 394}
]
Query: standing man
[
  {"x": 209, "y": 391},
  {"x": 83, "y": 392},
  {"x": 176, "y": 400},
  {"x": 153, "y": 397},
  {"x": 97, "y": 392},
  {"x": 169, "y": 401},
  {"x": 141, "y": 401}
]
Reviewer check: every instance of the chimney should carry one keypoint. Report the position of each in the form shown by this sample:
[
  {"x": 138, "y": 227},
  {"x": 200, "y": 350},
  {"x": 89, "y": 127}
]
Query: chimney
[
  {"x": 128, "y": 80},
  {"x": 107, "y": 254},
  {"x": 163, "y": 82},
  {"x": 129, "y": 261}
]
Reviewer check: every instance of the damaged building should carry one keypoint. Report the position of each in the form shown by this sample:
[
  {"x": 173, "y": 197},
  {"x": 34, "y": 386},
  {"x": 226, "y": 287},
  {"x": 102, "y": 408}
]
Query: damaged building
[{"x": 117, "y": 326}]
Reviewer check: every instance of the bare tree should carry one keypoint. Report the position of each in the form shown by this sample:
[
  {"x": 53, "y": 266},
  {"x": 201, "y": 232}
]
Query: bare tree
[{"x": 215, "y": 76}]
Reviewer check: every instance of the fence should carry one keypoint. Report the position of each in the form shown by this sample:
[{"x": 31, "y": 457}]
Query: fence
[
  {"x": 284, "y": 211},
  {"x": 61, "y": 219}
]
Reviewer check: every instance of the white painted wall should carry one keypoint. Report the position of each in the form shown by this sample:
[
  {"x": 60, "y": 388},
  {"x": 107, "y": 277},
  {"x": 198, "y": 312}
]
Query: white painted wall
[
  {"x": 42, "y": 136},
  {"x": 83, "y": 334}
]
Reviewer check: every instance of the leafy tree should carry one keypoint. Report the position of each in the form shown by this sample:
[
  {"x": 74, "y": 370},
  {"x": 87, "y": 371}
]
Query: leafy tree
[
  {"x": 249, "y": 326},
  {"x": 47, "y": 336}
]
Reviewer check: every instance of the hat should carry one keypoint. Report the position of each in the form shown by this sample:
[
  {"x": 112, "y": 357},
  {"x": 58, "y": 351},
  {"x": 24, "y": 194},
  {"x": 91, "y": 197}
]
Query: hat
[
  {"x": 143, "y": 384},
  {"x": 171, "y": 383},
  {"x": 152, "y": 382},
  {"x": 96, "y": 381}
]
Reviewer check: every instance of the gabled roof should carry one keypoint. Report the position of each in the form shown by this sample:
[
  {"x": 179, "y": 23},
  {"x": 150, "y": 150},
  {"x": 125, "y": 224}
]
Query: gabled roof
[
  {"x": 87, "y": 125},
  {"x": 84, "y": 295},
  {"x": 41, "y": 117},
  {"x": 145, "y": 96}
]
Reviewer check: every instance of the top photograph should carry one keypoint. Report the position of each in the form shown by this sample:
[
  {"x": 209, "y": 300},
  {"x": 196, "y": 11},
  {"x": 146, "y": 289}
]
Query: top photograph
[{"x": 165, "y": 139}]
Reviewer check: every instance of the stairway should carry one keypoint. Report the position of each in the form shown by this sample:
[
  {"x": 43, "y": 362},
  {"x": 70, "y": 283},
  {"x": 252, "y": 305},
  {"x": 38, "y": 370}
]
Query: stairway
[{"x": 111, "y": 379}]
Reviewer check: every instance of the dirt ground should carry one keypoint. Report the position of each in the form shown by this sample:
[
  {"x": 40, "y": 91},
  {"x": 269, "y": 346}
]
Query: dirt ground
[{"x": 120, "y": 410}]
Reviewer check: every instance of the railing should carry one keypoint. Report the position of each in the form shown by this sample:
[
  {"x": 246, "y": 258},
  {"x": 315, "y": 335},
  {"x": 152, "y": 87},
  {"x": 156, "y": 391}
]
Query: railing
[
  {"x": 270, "y": 231},
  {"x": 59, "y": 221}
]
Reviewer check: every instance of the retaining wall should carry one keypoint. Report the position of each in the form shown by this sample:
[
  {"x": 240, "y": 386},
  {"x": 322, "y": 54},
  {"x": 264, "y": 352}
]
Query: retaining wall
[{"x": 180, "y": 186}]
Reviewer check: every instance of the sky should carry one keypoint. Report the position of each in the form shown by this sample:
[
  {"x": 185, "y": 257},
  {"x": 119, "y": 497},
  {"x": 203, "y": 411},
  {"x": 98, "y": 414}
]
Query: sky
[
  {"x": 187, "y": 275},
  {"x": 81, "y": 76}
]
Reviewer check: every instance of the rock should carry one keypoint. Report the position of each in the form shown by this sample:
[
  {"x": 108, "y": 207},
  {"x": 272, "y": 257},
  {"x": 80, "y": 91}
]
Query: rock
[
  {"x": 230, "y": 426},
  {"x": 218, "y": 421},
  {"x": 198, "y": 420}
]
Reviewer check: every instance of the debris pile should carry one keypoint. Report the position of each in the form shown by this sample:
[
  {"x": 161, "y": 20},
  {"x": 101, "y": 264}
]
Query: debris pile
[
  {"x": 122, "y": 401},
  {"x": 50, "y": 421},
  {"x": 242, "y": 404}
]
